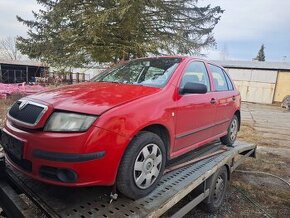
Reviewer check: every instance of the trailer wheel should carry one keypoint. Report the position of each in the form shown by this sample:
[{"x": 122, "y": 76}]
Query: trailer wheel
[
  {"x": 231, "y": 136},
  {"x": 218, "y": 187},
  {"x": 142, "y": 165}
]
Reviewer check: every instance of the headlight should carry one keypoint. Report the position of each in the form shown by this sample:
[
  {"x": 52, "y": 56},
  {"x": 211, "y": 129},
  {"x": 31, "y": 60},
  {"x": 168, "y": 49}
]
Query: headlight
[{"x": 69, "y": 122}]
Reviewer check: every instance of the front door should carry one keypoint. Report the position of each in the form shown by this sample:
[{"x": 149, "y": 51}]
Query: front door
[{"x": 195, "y": 113}]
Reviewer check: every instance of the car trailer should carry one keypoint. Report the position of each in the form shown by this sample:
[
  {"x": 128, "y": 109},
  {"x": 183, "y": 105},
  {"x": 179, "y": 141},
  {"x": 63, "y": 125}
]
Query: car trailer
[{"x": 201, "y": 177}]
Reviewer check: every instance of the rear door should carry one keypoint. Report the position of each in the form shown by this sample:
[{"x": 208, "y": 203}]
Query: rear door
[
  {"x": 225, "y": 97},
  {"x": 195, "y": 113}
]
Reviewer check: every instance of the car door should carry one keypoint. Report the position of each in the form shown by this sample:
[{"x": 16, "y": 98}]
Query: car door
[
  {"x": 195, "y": 112},
  {"x": 225, "y": 97}
]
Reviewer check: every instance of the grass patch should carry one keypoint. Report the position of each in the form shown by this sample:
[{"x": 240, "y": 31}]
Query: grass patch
[{"x": 5, "y": 104}]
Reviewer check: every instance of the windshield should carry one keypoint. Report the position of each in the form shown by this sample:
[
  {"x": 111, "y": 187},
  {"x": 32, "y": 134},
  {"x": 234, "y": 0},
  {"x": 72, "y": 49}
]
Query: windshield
[{"x": 148, "y": 72}]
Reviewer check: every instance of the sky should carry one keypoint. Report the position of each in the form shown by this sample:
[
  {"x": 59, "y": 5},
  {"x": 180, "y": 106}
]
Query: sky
[{"x": 243, "y": 28}]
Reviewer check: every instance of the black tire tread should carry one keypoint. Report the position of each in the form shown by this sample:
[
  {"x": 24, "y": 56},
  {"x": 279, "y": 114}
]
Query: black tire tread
[
  {"x": 125, "y": 183},
  {"x": 207, "y": 205},
  {"x": 226, "y": 140}
]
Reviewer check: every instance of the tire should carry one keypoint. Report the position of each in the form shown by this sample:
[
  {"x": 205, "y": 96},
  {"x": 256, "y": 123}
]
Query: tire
[
  {"x": 230, "y": 138},
  {"x": 218, "y": 187},
  {"x": 142, "y": 165}
]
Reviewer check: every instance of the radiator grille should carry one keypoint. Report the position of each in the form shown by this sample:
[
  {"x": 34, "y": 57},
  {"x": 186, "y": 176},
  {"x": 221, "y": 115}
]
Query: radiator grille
[{"x": 29, "y": 114}]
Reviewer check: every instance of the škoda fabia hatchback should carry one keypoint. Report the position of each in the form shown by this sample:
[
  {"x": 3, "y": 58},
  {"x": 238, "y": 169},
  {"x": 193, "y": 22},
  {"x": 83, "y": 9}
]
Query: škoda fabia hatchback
[{"x": 123, "y": 126}]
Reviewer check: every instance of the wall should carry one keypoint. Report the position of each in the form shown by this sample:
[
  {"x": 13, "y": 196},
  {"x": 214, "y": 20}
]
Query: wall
[
  {"x": 283, "y": 86},
  {"x": 256, "y": 86}
]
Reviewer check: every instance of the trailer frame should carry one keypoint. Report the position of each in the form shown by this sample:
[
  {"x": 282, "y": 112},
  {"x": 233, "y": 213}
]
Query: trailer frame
[{"x": 175, "y": 185}]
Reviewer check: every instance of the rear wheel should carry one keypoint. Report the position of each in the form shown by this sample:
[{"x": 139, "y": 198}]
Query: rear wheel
[
  {"x": 142, "y": 165},
  {"x": 231, "y": 136},
  {"x": 217, "y": 193}
]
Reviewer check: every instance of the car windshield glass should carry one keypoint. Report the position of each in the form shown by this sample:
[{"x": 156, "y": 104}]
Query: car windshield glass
[{"x": 148, "y": 72}]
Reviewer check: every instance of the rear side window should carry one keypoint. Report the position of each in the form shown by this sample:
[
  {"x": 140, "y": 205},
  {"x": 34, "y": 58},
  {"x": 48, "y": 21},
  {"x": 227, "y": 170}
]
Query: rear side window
[
  {"x": 219, "y": 78},
  {"x": 230, "y": 84},
  {"x": 196, "y": 73}
]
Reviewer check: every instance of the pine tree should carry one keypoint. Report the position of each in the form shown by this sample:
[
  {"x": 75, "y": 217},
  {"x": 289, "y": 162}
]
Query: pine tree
[
  {"x": 261, "y": 54},
  {"x": 74, "y": 32}
]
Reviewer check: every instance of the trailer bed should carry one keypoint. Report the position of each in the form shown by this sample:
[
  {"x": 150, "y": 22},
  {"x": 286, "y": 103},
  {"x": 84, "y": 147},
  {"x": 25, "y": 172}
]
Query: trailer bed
[{"x": 95, "y": 201}]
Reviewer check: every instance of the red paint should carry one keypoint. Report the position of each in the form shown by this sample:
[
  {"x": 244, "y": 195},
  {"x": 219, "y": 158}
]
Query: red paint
[{"x": 124, "y": 111}]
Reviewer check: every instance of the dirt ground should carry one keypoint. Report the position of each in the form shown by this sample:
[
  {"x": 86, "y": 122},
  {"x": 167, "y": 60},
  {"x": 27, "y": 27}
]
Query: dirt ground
[
  {"x": 252, "y": 194},
  {"x": 258, "y": 195},
  {"x": 4, "y": 106}
]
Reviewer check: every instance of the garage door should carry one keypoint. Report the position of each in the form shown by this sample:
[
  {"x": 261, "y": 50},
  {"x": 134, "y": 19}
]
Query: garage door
[
  {"x": 283, "y": 86},
  {"x": 255, "y": 85}
]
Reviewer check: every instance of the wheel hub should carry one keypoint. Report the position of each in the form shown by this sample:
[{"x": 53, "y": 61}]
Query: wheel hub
[
  {"x": 233, "y": 129},
  {"x": 148, "y": 164},
  {"x": 218, "y": 188}
]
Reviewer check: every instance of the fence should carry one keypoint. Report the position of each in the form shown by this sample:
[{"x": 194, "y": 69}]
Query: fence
[{"x": 69, "y": 77}]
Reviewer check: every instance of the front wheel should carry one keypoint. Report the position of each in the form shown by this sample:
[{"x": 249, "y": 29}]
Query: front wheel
[
  {"x": 231, "y": 136},
  {"x": 142, "y": 165}
]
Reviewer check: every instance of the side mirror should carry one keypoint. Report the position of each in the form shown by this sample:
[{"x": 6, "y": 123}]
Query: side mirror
[{"x": 193, "y": 88}]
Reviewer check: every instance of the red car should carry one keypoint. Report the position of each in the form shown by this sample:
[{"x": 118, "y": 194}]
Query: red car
[{"x": 123, "y": 126}]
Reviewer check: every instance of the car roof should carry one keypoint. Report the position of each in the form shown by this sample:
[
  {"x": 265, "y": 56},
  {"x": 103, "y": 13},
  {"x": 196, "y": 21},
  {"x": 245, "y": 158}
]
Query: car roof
[
  {"x": 184, "y": 57},
  {"x": 173, "y": 56}
]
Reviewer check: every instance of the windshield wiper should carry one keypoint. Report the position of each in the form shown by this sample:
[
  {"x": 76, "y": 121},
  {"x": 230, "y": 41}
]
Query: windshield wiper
[{"x": 101, "y": 81}]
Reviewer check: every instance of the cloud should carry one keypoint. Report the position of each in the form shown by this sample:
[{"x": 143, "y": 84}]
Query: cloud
[
  {"x": 9, "y": 26},
  {"x": 250, "y": 20},
  {"x": 246, "y": 24},
  {"x": 243, "y": 27}
]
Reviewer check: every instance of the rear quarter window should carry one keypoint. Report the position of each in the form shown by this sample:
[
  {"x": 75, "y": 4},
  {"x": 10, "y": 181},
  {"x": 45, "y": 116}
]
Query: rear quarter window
[{"x": 229, "y": 81}]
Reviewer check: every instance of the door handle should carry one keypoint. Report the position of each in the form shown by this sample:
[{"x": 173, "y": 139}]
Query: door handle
[
  {"x": 213, "y": 101},
  {"x": 234, "y": 98}
]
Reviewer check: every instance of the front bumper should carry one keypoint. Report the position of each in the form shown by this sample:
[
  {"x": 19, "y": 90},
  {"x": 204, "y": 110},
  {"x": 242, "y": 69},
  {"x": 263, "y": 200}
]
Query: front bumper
[{"x": 68, "y": 159}]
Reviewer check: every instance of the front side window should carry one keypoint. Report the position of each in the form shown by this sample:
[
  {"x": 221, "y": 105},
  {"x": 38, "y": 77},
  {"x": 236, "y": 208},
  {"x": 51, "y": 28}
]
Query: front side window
[
  {"x": 219, "y": 78},
  {"x": 148, "y": 72},
  {"x": 196, "y": 73}
]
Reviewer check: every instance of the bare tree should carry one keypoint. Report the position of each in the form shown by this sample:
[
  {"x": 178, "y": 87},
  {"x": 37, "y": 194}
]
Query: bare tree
[{"x": 8, "y": 49}]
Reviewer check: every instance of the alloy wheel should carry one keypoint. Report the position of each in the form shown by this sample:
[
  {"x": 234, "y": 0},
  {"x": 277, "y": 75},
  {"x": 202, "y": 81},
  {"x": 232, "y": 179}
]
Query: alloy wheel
[
  {"x": 147, "y": 166},
  {"x": 233, "y": 129}
]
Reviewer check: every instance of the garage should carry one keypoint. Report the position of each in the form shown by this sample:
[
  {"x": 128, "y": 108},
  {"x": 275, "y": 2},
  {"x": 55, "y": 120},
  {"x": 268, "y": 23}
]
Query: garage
[
  {"x": 13, "y": 71},
  {"x": 260, "y": 82}
]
